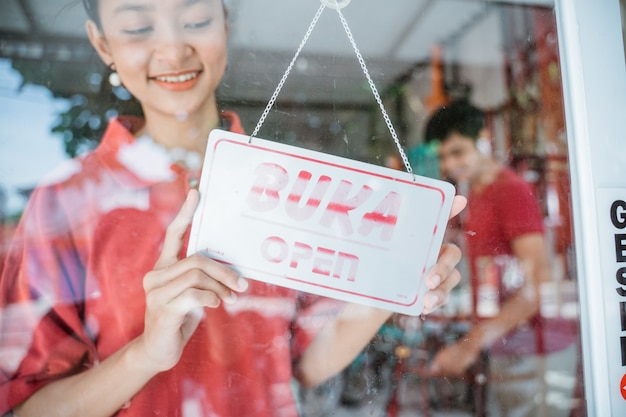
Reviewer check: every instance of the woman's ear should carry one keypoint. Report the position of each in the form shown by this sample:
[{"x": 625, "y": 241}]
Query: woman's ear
[{"x": 99, "y": 42}]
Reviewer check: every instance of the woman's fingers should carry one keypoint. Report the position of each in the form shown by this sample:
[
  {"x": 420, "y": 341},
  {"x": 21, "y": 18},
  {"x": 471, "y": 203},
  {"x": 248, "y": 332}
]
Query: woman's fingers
[
  {"x": 178, "y": 290},
  {"x": 171, "y": 278},
  {"x": 439, "y": 296},
  {"x": 442, "y": 277},
  {"x": 175, "y": 233},
  {"x": 193, "y": 281},
  {"x": 209, "y": 267},
  {"x": 458, "y": 204}
]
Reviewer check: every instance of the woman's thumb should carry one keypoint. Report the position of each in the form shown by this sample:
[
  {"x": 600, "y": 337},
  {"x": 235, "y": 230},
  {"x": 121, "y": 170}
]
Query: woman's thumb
[{"x": 175, "y": 233}]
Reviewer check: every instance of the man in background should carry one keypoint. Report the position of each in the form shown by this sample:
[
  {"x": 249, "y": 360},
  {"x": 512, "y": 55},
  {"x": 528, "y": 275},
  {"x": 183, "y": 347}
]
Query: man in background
[{"x": 507, "y": 257}]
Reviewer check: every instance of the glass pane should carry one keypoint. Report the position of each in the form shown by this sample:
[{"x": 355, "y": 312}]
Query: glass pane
[{"x": 92, "y": 174}]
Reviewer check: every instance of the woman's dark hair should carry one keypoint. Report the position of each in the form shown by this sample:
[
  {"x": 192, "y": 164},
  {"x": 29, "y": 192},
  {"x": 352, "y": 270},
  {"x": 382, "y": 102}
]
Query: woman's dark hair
[
  {"x": 458, "y": 117},
  {"x": 91, "y": 7}
]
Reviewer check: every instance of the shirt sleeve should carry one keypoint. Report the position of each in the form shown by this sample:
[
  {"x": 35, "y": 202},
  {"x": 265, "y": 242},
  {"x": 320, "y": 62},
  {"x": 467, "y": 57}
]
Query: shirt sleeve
[
  {"x": 42, "y": 336},
  {"x": 314, "y": 312}
]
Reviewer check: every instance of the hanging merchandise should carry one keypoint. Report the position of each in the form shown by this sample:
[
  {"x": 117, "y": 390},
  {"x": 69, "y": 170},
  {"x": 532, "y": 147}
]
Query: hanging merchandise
[{"x": 320, "y": 223}]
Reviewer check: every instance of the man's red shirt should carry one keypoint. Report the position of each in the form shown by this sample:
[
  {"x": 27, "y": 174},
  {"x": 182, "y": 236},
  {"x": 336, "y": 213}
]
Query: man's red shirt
[{"x": 503, "y": 211}]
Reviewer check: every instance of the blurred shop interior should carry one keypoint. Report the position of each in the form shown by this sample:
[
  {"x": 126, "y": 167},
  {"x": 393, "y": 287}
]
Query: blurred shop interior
[{"x": 502, "y": 55}]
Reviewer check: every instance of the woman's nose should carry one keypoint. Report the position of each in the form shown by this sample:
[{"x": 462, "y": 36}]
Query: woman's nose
[{"x": 172, "y": 47}]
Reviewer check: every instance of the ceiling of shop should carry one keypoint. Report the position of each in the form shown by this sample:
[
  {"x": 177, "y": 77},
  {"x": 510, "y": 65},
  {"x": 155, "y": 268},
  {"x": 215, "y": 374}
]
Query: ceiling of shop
[{"x": 393, "y": 36}]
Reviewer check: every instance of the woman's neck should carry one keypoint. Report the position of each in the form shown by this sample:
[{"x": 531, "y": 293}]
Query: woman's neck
[{"x": 190, "y": 133}]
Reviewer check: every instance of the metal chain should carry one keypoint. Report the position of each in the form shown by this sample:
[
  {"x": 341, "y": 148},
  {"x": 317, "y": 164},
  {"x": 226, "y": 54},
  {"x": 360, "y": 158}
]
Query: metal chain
[
  {"x": 272, "y": 100},
  {"x": 270, "y": 104},
  {"x": 405, "y": 160}
]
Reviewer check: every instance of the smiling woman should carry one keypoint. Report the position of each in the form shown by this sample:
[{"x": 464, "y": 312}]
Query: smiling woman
[{"x": 162, "y": 48}]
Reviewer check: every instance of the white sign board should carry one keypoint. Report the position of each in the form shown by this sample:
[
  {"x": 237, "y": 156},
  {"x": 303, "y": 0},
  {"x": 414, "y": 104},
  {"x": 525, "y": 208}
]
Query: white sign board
[{"x": 319, "y": 223}]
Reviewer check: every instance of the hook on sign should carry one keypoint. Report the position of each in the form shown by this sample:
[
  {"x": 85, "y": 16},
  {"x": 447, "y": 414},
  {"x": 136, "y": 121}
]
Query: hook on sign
[{"x": 335, "y": 4}]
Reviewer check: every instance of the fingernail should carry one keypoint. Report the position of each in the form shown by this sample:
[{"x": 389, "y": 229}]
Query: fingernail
[
  {"x": 188, "y": 196},
  {"x": 431, "y": 300},
  {"x": 242, "y": 284},
  {"x": 231, "y": 299},
  {"x": 435, "y": 280}
]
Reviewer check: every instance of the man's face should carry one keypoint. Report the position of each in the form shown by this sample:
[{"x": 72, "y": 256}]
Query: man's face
[{"x": 459, "y": 158}]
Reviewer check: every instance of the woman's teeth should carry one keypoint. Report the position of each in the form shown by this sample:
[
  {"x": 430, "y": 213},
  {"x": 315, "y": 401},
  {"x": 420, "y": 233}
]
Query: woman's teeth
[{"x": 177, "y": 78}]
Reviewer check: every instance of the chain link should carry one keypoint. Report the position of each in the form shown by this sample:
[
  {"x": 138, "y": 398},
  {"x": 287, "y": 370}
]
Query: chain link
[
  {"x": 270, "y": 104},
  {"x": 344, "y": 22},
  {"x": 405, "y": 160}
]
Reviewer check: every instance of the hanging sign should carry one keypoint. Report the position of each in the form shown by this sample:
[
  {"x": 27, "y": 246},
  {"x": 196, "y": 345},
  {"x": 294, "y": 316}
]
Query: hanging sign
[{"x": 319, "y": 223}]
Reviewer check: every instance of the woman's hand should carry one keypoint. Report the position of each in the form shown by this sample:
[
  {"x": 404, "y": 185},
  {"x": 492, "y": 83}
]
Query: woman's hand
[
  {"x": 177, "y": 290},
  {"x": 444, "y": 276}
]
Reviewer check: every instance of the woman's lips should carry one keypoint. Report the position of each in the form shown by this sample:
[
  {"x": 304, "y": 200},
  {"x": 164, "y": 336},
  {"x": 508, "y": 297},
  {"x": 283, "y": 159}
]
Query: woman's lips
[{"x": 177, "y": 81}]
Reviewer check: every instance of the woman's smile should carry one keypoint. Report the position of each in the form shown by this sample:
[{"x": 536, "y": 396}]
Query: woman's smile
[{"x": 178, "y": 81}]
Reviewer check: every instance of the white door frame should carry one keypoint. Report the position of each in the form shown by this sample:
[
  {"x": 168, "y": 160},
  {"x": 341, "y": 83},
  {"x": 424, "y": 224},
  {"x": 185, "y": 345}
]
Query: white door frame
[{"x": 594, "y": 87}]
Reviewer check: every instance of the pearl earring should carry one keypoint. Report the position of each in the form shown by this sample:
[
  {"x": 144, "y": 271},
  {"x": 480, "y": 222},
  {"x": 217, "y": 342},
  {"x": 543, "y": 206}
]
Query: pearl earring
[{"x": 114, "y": 78}]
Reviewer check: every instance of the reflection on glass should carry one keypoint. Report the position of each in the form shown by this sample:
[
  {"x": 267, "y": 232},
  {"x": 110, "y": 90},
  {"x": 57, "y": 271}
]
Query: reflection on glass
[{"x": 76, "y": 270}]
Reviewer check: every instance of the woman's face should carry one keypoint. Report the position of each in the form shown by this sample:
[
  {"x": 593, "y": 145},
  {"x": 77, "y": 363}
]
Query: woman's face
[{"x": 170, "y": 54}]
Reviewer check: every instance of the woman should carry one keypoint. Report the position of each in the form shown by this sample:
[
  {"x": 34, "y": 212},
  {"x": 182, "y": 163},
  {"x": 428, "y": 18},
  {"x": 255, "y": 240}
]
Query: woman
[{"x": 118, "y": 322}]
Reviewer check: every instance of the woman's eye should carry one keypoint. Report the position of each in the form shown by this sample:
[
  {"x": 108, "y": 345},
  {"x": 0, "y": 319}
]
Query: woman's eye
[
  {"x": 139, "y": 31},
  {"x": 198, "y": 25}
]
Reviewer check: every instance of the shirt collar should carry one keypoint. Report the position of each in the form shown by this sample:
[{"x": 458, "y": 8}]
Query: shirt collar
[{"x": 139, "y": 162}]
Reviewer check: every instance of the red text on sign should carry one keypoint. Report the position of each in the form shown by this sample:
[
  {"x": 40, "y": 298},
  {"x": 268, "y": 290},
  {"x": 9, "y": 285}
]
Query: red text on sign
[
  {"x": 268, "y": 193},
  {"x": 304, "y": 258}
]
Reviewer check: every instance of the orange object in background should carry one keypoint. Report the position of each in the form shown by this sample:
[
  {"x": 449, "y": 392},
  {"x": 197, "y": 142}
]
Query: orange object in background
[{"x": 437, "y": 97}]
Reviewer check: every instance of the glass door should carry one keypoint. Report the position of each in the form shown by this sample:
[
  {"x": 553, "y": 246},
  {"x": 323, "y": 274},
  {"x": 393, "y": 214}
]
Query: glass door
[{"x": 518, "y": 103}]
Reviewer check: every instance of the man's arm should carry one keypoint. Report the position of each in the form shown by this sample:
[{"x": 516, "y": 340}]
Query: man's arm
[{"x": 531, "y": 252}]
